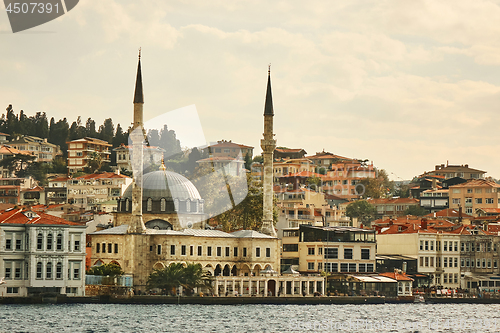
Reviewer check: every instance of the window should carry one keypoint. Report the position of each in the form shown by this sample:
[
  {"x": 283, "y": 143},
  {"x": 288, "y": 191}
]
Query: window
[
  {"x": 426, "y": 261},
  {"x": 200, "y": 250},
  {"x": 257, "y": 252},
  {"x": 344, "y": 267},
  {"x": 48, "y": 271},
  {"x": 76, "y": 271},
  {"x": 310, "y": 266},
  {"x": 59, "y": 242},
  {"x": 468, "y": 210},
  {"x": 103, "y": 247},
  {"x": 445, "y": 246},
  {"x": 8, "y": 270},
  {"x": 431, "y": 263},
  {"x": 479, "y": 200},
  {"x": 245, "y": 250},
  {"x": 77, "y": 247},
  {"x": 116, "y": 248},
  {"x": 462, "y": 262},
  {"x": 331, "y": 253},
  {"x": 362, "y": 268},
  {"x": 158, "y": 249},
  {"x": 172, "y": 250},
  {"x": 235, "y": 251},
  {"x": 468, "y": 200},
  {"x": 445, "y": 278},
  {"x": 191, "y": 250},
  {"x": 310, "y": 251},
  {"x": 228, "y": 251},
  {"x": 18, "y": 244},
  {"x": 209, "y": 251},
  {"x": 455, "y": 260},
  {"x": 421, "y": 261},
  {"x": 8, "y": 243},
  {"x": 12, "y": 290},
  {"x": 38, "y": 270},
  {"x": 462, "y": 247},
  {"x": 289, "y": 248},
  {"x": 49, "y": 242},
  {"x": 456, "y": 201},
  {"x": 268, "y": 252},
  {"x": 455, "y": 248},
  {"x": 183, "y": 250},
  {"x": 469, "y": 190},
  {"x": 59, "y": 270},
  {"x": 219, "y": 251},
  {"x": 432, "y": 245},
  {"x": 455, "y": 278},
  {"x": 426, "y": 245},
  {"x": 484, "y": 263},
  {"x": 347, "y": 253},
  {"x": 421, "y": 245},
  {"x": 467, "y": 262},
  {"x": 489, "y": 200},
  {"x": 39, "y": 242},
  {"x": 365, "y": 254},
  {"x": 489, "y": 263},
  {"x": 98, "y": 248},
  {"x": 445, "y": 262},
  {"x": 438, "y": 261},
  {"x": 331, "y": 267}
]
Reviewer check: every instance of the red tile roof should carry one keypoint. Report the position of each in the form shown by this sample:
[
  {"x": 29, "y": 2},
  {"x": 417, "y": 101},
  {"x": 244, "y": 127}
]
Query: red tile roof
[
  {"x": 476, "y": 183},
  {"x": 397, "y": 276},
  {"x": 104, "y": 175},
  {"x": 17, "y": 216},
  {"x": 449, "y": 212}
]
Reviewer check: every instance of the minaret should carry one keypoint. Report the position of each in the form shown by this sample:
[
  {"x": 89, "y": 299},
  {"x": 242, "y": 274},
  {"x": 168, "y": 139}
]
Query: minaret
[
  {"x": 137, "y": 137},
  {"x": 268, "y": 144}
]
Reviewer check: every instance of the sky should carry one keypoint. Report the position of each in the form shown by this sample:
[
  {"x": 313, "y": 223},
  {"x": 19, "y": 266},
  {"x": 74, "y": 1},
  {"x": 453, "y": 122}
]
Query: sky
[{"x": 405, "y": 84}]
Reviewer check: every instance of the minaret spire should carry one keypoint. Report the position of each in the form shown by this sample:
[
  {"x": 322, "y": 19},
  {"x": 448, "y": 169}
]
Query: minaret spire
[
  {"x": 137, "y": 137},
  {"x": 268, "y": 144}
]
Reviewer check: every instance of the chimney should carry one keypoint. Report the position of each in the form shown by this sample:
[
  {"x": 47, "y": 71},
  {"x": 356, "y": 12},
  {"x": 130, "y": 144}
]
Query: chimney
[
  {"x": 423, "y": 224},
  {"x": 390, "y": 221}
]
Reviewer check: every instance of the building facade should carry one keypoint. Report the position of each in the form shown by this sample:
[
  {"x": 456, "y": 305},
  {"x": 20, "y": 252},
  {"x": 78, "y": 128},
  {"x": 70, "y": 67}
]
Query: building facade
[
  {"x": 474, "y": 195},
  {"x": 41, "y": 253},
  {"x": 80, "y": 151}
]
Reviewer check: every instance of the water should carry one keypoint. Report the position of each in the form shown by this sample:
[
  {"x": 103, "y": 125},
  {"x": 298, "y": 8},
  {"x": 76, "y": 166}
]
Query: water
[{"x": 250, "y": 318}]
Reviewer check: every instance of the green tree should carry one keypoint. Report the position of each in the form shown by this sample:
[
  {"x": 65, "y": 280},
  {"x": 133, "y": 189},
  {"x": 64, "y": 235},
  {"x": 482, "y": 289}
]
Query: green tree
[
  {"x": 110, "y": 269},
  {"x": 95, "y": 163},
  {"x": 361, "y": 209},
  {"x": 248, "y": 161},
  {"x": 258, "y": 159},
  {"x": 195, "y": 277},
  {"x": 17, "y": 164},
  {"x": 314, "y": 182},
  {"x": 194, "y": 156},
  {"x": 416, "y": 211},
  {"x": 378, "y": 187}
]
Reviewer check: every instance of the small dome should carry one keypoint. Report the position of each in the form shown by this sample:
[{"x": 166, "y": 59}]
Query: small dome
[{"x": 165, "y": 184}]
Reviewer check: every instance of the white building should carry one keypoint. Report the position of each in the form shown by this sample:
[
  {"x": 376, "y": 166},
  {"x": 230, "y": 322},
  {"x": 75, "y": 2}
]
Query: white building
[{"x": 41, "y": 253}]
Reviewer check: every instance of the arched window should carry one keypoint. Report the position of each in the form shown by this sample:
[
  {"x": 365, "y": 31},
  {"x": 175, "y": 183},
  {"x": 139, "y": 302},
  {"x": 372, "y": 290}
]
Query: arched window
[
  {"x": 39, "y": 242},
  {"x": 194, "y": 206},
  {"x": 59, "y": 270},
  {"x": 163, "y": 204},
  {"x": 49, "y": 242},
  {"x": 38, "y": 270},
  {"x": 48, "y": 271},
  {"x": 59, "y": 242},
  {"x": 150, "y": 204}
]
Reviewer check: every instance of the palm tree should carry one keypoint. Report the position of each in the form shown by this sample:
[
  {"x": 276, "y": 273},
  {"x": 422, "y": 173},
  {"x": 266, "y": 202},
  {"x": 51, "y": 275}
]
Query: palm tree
[
  {"x": 167, "y": 278},
  {"x": 189, "y": 277},
  {"x": 195, "y": 277}
]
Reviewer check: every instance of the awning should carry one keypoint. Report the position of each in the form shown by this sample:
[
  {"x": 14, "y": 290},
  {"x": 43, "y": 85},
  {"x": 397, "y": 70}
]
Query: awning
[{"x": 374, "y": 278}]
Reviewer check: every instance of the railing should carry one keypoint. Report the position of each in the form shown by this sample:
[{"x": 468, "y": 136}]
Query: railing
[{"x": 99, "y": 280}]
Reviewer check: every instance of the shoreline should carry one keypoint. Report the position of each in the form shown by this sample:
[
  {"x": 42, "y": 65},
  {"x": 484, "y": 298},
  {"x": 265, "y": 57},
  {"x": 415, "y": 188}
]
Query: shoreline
[{"x": 355, "y": 300}]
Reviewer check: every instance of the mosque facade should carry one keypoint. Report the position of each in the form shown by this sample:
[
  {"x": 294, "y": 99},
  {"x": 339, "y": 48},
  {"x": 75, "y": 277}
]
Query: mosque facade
[{"x": 161, "y": 220}]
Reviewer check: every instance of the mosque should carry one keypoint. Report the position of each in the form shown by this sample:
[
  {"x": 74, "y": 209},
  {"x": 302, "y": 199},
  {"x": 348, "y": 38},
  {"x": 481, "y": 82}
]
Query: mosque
[{"x": 161, "y": 220}]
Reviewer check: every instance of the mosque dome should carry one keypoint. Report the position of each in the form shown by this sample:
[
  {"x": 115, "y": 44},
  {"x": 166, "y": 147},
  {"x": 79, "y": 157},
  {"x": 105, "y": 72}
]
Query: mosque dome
[
  {"x": 165, "y": 184},
  {"x": 164, "y": 192}
]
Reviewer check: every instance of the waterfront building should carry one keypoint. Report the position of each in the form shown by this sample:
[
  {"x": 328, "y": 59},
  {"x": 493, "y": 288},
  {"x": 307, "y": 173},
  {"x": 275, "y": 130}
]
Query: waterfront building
[
  {"x": 41, "y": 253},
  {"x": 82, "y": 150},
  {"x": 434, "y": 243}
]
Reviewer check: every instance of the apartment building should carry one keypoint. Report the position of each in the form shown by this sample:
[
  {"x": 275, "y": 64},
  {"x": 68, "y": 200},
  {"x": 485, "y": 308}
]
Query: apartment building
[
  {"x": 35, "y": 146},
  {"x": 225, "y": 148},
  {"x": 330, "y": 249},
  {"x": 435, "y": 244},
  {"x": 90, "y": 190},
  {"x": 56, "y": 192},
  {"x": 450, "y": 171},
  {"x": 475, "y": 194},
  {"x": 80, "y": 151},
  {"x": 392, "y": 207},
  {"x": 151, "y": 155}
]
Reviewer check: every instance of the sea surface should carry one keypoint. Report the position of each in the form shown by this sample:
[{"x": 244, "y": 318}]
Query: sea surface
[{"x": 250, "y": 318}]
